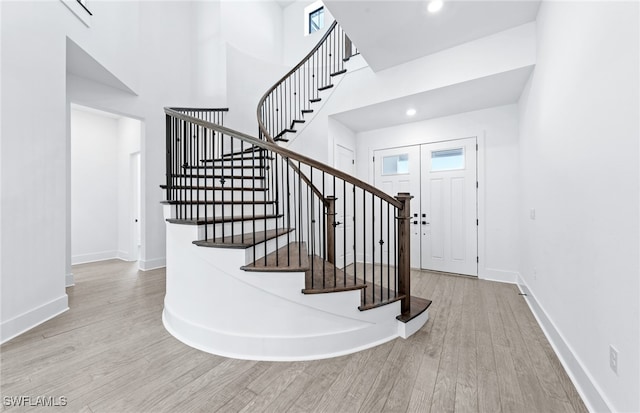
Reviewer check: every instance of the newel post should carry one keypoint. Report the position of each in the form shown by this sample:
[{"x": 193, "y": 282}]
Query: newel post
[
  {"x": 404, "y": 250},
  {"x": 330, "y": 204}
]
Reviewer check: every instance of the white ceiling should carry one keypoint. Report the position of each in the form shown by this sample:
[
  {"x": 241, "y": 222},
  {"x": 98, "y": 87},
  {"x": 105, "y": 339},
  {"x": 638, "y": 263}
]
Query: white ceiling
[
  {"x": 505, "y": 88},
  {"x": 389, "y": 33}
]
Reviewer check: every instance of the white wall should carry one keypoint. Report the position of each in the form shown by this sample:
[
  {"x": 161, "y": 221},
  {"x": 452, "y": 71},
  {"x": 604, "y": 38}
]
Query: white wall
[
  {"x": 296, "y": 44},
  {"x": 131, "y": 40},
  {"x": 94, "y": 187},
  {"x": 497, "y": 132},
  {"x": 579, "y": 171}
]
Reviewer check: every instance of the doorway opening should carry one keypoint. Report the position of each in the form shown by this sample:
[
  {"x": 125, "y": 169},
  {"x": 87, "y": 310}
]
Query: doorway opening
[
  {"x": 105, "y": 185},
  {"x": 442, "y": 177}
]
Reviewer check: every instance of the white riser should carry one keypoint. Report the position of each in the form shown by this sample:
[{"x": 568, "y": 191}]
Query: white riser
[
  {"x": 225, "y": 210},
  {"x": 229, "y": 182},
  {"x": 271, "y": 246},
  {"x": 218, "y": 195},
  {"x": 237, "y": 227},
  {"x": 236, "y": 162},
  {"x": 217, "y": 170}
]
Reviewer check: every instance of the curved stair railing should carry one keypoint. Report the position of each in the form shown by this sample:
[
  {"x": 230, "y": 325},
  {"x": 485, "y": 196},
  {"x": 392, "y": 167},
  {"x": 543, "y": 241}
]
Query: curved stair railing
[
  {"x": 286, "y": 208},
  {"x": 248, "y": 192},
  {"x": 285, "y": 105}
]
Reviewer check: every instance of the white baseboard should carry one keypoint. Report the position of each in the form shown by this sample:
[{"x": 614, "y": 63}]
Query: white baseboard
[
  {"x": 503, "y": 276},
  {"x": 586, "y": 386},
  {"x": 26, "y": 321},
  {"x": 148, "y": 265},
  {"x": 93, "y": 257},
  {"x": 69, "y": 281}
]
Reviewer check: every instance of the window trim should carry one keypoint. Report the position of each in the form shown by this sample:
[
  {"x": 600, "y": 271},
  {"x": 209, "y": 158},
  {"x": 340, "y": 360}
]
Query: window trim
[{"x": 310, "y": 17}]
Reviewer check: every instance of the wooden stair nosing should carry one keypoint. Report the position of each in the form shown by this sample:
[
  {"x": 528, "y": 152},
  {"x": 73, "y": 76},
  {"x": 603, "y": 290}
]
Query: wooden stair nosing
[
  {"x": 238, "y": 242},
  {"x": 306, "y": 111},
  {"x": 339, "y": 72},
  {"x": 325, "y": 87},
  {"x": 418, "y": 306},
  {"x": 294, "y": 253},
  {"x": 314, "y": 100},
  {"x": 221, "y": 220}
]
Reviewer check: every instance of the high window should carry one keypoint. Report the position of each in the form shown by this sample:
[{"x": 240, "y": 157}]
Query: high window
[{"x": 316, "y": 20}]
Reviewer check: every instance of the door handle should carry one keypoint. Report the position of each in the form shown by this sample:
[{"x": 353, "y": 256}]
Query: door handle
[{"x": 425, "y": 223}]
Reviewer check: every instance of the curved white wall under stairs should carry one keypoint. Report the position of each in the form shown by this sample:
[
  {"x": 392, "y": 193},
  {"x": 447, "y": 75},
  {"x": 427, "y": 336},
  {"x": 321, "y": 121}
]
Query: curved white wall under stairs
[{"x": 213, "y": 305}]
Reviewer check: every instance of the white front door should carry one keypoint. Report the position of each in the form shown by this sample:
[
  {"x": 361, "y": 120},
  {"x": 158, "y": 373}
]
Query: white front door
[
  {"x": 398, "y": 170},
  {"x": 344, "y": 161},
  {"x": 449, "y": 207}
]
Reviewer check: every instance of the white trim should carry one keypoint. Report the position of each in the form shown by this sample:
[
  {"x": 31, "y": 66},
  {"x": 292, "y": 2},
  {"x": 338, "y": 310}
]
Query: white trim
[
  {"x": 148, "y": 265},
  {"x": 593, "y": 397},
  {"x": 503, "y": 276},
  {"x": 26, "y": 321},
  {"x": 69, "y": 281},
  {"x": 94, "y": 256},
  {"x": 310, "y": 9}
]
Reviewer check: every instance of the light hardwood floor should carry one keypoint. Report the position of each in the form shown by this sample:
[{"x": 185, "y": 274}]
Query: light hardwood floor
[{"x": 481, "y": 351}]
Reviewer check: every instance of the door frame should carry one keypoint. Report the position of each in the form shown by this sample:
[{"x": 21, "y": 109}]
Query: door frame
[{"x": 480, "y": 192}]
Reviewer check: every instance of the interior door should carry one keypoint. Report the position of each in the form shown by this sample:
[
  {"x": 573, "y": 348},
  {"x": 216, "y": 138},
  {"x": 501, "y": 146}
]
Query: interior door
[
  {"x": 398, "y": 170},
  {"x": 344, "y": 161},
  {"x": 449, "y": 207}
]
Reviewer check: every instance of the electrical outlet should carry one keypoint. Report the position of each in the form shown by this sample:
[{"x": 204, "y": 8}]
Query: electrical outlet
[{"x": 613, "y": 359}]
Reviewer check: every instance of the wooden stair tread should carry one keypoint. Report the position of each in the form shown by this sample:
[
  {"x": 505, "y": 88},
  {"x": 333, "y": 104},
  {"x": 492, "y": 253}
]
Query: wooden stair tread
[
  {"x": 418, "y": 306},
  {"x": 243, "y": 240},
  {"x": 329, "y": 286},
  {"x": 295, "y": 253},
  {"x": 339, "y": 72},
  {"x": 325, "y": 87},
  {"x": 307, "y": 111},
  {"x": 220, "y": 220},
  {"x": 314, "y": 100}
]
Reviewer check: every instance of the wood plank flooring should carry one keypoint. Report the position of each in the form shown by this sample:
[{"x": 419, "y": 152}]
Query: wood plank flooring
[{"x": 481, "y": 351}]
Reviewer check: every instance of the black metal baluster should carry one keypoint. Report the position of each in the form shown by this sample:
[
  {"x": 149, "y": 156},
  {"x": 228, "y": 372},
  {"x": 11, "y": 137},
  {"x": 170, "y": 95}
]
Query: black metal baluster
[
  {"x": 300, "y": 234},
  {"x": 288, "y": 218},
  {"x": 388, "y": 251},
  {"x": 344, "y": 231},
  {"x": 355, "y": 234},
  {"x": 364, "y": 241},
  {"x": 381, "y": 248}
]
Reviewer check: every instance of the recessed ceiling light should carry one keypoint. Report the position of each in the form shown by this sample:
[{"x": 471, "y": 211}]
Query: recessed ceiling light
[
  {"x": 411, "y": 112},
  {"x": 434, "y": 6}
]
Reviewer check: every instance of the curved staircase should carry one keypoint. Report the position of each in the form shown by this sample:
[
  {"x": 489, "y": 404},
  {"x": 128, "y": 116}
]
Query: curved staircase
[{"x": 258, "y": 265}]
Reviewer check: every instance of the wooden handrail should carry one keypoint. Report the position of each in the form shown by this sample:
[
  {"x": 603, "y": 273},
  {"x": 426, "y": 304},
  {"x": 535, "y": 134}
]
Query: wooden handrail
[
  {"x": 287, "y": 154},
  {"x": 261, "y": 126}
]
